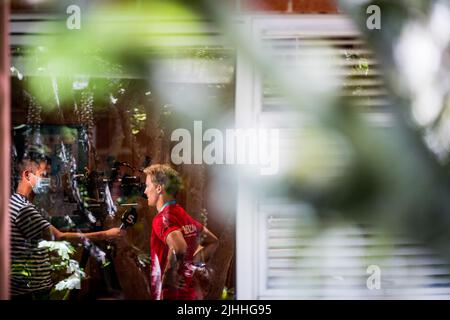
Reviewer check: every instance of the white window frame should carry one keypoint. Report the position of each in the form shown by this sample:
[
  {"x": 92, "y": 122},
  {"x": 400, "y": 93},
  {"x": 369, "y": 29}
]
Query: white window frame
[{"x": 251, "y": 253}]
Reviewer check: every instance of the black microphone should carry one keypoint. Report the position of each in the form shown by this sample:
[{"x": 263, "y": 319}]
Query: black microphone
[{"x": 129, "y": 218}]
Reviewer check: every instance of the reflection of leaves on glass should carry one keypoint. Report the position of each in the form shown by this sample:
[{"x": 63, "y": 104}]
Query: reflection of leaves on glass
[
  {"x": 22, "y": 269},
  {"x": 167, "y": 112},
  {"x": 86, "y": 114},
  {"x": 227, "y": 294},
  {"x": 138, "y": 118},
  {"x": 69, "y": 221},
  {"x": 204, "y": 221},
  {"x": 144, "y": 259},
  {"x": 363, "y": 66},
  {"x": 167, "y": 109},
  {"x": 34, "y": 143},
  {"x": 69, "y": 135},
  {"x": 200, "y": 52},
  {"x": 16, "y": 72},
  {"x": 34, "y": 110},
  {"x": 204, "y": 53},
  {"x": 360, "y": 69},
  {"x": 83, "y": 139}
]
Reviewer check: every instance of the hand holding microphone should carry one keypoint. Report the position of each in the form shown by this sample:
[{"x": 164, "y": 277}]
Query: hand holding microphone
[{"x": 129, "y": 218}]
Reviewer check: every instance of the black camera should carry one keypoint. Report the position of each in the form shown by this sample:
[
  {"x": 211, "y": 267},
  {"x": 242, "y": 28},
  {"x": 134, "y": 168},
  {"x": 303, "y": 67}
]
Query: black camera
[{"x": 131, "y": 186}]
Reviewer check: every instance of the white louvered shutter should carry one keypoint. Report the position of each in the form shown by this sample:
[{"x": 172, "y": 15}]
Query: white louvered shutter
[{"x": 294, "y": 259}]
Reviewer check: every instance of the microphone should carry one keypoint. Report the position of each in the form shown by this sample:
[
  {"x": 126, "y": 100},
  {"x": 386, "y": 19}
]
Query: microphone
[{"x": 129, "y": 218}]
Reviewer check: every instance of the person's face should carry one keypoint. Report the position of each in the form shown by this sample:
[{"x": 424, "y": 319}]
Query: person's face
[
  {"x": 152, "y": 191},
  {"x": 33, "y": 175}
]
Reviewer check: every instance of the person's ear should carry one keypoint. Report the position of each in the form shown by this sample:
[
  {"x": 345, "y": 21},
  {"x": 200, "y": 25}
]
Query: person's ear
[
  {"x": 159, "y": 189},
  {"x": 26, "y": 174}
]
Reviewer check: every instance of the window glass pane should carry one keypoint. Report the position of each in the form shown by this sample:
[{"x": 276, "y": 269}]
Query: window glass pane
[{"x": 92, "y": 109}]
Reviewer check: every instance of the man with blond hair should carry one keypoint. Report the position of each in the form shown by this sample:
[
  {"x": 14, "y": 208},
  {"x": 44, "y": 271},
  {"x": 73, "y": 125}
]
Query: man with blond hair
[{"x": 175, "y": 238}]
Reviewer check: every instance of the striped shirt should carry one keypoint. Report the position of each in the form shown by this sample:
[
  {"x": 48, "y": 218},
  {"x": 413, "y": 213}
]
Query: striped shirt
[{"x": 30, "y": 265}]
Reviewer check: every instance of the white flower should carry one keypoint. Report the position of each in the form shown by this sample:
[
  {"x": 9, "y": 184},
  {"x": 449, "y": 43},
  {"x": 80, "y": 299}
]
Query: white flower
[
  {"x": 72, "y": 282},
  {"x": 74, "y": 267},
  {"x": 63, "y": 248}
]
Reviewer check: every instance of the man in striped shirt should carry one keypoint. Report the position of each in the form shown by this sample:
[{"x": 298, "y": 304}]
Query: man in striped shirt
[{"x": 30, "y": 265}]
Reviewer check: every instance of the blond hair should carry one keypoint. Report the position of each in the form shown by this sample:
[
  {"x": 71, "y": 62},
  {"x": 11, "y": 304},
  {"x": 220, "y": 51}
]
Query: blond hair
[{"x": 165, "y": 176}]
